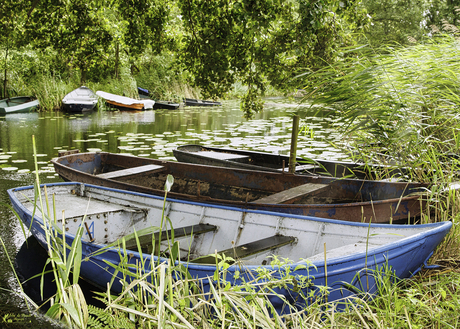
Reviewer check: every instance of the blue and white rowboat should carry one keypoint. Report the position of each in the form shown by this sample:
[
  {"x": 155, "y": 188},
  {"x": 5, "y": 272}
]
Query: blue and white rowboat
[{"x": 352, "y": 248}]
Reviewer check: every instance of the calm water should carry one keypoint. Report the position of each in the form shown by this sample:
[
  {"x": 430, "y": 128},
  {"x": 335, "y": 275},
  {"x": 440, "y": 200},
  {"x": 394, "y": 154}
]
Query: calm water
[{"x": 149, "y": 134}]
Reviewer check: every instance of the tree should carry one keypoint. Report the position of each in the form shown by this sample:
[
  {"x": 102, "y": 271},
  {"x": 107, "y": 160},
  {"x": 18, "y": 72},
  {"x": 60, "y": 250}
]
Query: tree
[
  {"x": 12, "y": 14},
  {"x": 261, "y": 42},
  {"x": 73, "y": 28},
  {"x": 396, "y": 21}
]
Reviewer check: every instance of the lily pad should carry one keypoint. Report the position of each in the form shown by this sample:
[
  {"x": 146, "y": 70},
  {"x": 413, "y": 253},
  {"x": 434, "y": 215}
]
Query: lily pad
[{"x": 10, "y": 168}]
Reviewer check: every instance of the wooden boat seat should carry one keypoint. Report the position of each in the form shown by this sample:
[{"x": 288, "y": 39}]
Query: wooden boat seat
[
  {"x": 290, "y": 194},
  {"x": 131, "y": 171},
  {"x": 224, "y": 156},
  {"x": 348, "y": 249},
  {"x": 249, "y": 249},
  {"x": 146, "y": 239}
]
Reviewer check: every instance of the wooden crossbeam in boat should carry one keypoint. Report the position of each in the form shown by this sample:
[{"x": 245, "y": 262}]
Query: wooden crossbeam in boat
[
  {"x": 146, "y": 239},
  {"x": 131, "y": 171},
  {"x": 292, "y": 193},
  {"x": 249, "y": 249}
]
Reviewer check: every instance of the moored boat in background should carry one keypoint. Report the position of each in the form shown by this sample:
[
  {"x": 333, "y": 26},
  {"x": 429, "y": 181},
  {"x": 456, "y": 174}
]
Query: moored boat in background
[
  {"x": 82, "y": 99},
  {"x": 126, "y": 103},
  {"x": 198, "y": 102},
  {"x": 351, "y": 252},
  {"x": 167, "y": 105},
  {"x": 19, "y": 104},
  {"x": 144, "y": 94},
  {"x": 320, "y": 196}
]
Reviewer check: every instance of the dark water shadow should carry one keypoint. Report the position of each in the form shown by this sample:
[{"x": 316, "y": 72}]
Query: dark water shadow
[{"x": 29, "y": 262}]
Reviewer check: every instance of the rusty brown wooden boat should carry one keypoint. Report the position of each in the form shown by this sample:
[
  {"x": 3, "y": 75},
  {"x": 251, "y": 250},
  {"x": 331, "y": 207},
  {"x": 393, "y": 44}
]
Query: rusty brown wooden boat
[{"x": 326, "y": 197}]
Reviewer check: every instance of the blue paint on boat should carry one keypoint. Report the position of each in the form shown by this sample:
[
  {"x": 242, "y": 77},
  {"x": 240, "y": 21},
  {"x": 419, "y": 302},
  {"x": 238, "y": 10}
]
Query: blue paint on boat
[{"x": 404, "y": 257}]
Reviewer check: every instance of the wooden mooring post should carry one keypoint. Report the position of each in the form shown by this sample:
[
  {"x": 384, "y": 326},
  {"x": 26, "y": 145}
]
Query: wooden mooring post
[{"x": 292, "y": 154}]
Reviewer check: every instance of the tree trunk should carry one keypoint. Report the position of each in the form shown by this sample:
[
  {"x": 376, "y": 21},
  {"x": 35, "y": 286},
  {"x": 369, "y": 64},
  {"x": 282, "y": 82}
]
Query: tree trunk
[
  {"x": 5, "y": 80},
  {"x": 117, "y": 58},
  {"x": 83, "y": 76}
]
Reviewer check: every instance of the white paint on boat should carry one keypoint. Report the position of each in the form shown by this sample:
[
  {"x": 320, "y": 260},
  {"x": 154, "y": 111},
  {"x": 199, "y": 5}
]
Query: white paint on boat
[{"x": 112, "y": 214}]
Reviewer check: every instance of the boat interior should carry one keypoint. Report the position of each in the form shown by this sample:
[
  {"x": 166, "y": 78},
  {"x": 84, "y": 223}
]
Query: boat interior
[
  {"x": 237, "y": 186},
  {"x": 113, "y": 217}
]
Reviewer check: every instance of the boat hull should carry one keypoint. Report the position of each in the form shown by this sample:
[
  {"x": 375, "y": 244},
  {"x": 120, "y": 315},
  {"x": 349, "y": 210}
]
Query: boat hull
[
  {"x": 166, "y": 105},
  {"x": 120, "y": 106},
  {"x": 126, "y": 103},
  {"x": 344, "y": 199},
  {"x": 348, "y": 274},
  {"x": 82, "y": 99},
  {"x": 253, "y": 160},
  {"x": 20, "y": 104},
  {"x": 200, "y": 103}
]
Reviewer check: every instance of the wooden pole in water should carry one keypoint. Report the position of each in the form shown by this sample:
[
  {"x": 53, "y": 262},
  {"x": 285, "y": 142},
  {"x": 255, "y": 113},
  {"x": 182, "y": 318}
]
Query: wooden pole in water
[{"x": 295, "y": 133}]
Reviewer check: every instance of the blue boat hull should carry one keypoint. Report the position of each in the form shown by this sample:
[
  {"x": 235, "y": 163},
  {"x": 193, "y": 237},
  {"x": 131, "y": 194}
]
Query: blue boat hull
[{"x": 346, "y": 275}]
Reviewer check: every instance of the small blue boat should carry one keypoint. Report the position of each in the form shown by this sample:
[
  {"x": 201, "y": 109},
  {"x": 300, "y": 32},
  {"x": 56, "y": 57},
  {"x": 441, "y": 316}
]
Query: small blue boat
[{"x": 251, "y": 238}]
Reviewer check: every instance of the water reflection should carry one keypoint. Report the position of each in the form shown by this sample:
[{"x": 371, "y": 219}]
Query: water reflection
[{"x": 37, "y": 280}]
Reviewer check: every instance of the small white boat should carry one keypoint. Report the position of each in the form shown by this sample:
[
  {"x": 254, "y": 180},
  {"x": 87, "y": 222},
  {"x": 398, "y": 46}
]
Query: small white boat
[
  {"x": 343, "y": 255},
  {"x": 82, "y": 99},
  {"x": 126, "y": 103}
]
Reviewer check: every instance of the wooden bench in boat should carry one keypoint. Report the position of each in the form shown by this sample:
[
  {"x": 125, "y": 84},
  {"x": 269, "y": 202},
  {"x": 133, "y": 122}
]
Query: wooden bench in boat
[
  {"x": 224, "y": 156},
  {"x": 290, "y": 194},
  {"x": 146, "y": 239},
  {"x": 131, "y": 171},
  {"x": 249, "y": 249},
  {"x": 343, "y": 251}
]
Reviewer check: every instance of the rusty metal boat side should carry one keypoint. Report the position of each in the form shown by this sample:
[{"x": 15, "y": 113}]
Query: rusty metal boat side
[{"x": 345, "y": 199}]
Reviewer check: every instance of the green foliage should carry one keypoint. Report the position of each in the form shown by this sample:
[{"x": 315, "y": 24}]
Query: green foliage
[
  {"x": 407, "y": 101},
  {"x": 261, "y": 42},
  {"x": 71, "y": 28},
  {"x": 390, "y": 24},
  {"x": 251, "y": 103},
  {"x": 145, "y": 22},
  {"x": 111, "y": 318},
  {"x": 160, "y": 76}
]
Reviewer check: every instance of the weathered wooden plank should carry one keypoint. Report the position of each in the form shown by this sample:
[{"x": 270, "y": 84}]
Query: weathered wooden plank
[
  {"x": 249, "y": 249},
  {"x": 131, "y": 171},
  {"x": 291, "y": 193}
]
